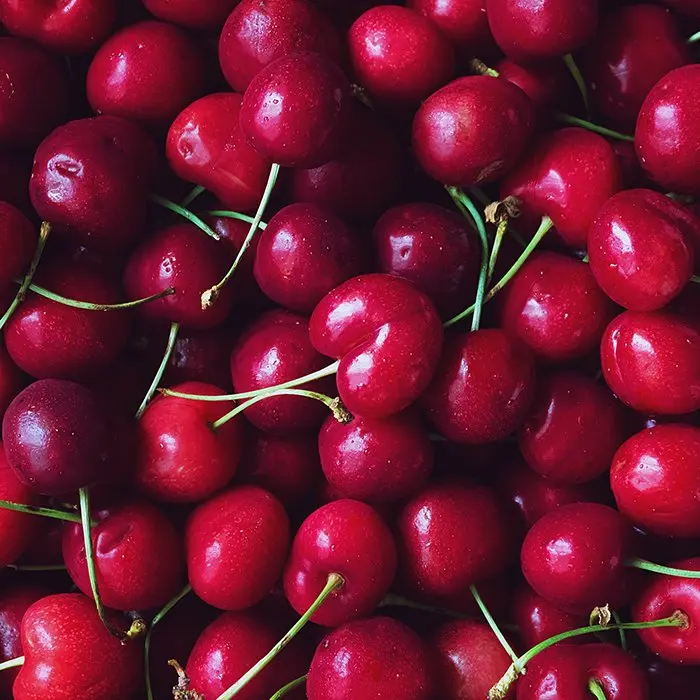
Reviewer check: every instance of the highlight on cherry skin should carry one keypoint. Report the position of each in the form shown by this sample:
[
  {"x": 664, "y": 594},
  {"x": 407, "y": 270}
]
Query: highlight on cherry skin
[{"x": 349, "y": 350}]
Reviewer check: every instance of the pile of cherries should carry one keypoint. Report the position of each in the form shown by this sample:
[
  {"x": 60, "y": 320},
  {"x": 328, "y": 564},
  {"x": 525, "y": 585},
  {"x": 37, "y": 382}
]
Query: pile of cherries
[{"x": 350, "y": 351}]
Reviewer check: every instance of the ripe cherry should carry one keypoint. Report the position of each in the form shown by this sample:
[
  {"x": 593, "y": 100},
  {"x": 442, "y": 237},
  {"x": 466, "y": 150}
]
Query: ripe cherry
[
  {"x": 547, "y": 83},
  {"x": 191, "y": 13},
  {"x": 17, "y": 242}
]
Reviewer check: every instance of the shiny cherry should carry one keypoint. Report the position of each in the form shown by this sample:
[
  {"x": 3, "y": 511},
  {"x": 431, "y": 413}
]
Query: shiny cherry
[
  {"x": 547, "y": 83},
  {"x": 17, "y": 242},
  {"x": 192, "y": 13}
]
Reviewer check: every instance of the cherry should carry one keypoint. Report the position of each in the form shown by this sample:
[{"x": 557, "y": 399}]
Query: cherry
[
  {"x": 11, "y": 379},
  {"x": 17, "y": 241},
  {"x": 67, "y": 646},
  {"x": 376, "y": 460},
  {"x": 304, "y": 253},
  {"x": 473, "y": 130},
  {"x": 91, "y": 179},
  {"x": 669, "y": 681},
  {"x": 482, "y": 389},
  {"x": 689, "y": 7},
  {"x": 433, "y": 248},
  {"x": 451, "y": 535},
  {"x": 650, "y": 360},
  {"x": 387, "y": 336},
  {"x": 225, "y": 539},
  {"x": 191, "y": 13},
  {"x": 348, "y": 538},
  {"x": 351, "y": 662},
  {"x": 547, "y": 83},
  {"x": 296, "y": 110}
]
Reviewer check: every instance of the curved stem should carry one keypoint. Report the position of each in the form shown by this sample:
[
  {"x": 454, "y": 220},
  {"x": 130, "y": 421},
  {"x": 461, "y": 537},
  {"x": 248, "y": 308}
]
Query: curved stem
[
  {"x": 602, "y": 130},
  {"x": 596, "y": 689},
  {"x": 497, "y": 241},
  {"x": 37, "y": 567},
  {"x": 334, "y": 582},
  {"x": 185, "y": 214},
  {"x": 92, "y": 306},
  {"x": 37, "y": 510},
  {"x": 693, "y": 38},
  {"x": 395, "y": 600},
  {"x": 226, "y": 214},
  {"x": 579, "y": 80},
  {"x": 623, "y": 634},
  {"x": 172, "y": 337},
  {"x": 645, "y": 565},
  {"x": 22, "y": 291},
  {"x": 192, "y": 195},
  {"x": 210, "y": 296},
  {"x": 292, "y": 685},
  {"x": 492, "y": 624},
  {"x": 12, "y": 663}
]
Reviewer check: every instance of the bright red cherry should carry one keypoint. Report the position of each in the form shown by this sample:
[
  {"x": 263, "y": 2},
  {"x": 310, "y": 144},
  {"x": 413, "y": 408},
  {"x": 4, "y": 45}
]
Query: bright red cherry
[
  {"x": 17, "y": 242},
  {"x": 192, "y": 13}
]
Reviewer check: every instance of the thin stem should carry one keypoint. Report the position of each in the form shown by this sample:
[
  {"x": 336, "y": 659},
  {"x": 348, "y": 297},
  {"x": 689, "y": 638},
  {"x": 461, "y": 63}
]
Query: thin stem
[
  {"x": 12, "y": 663},
  {"x": 185, "y": 214},
  {"x": 37, "y": 567},
  {"x": 334, "y": 582},
  {"x": 395, "y": 600},
  {"x": 579, "y": 80},
  {"x": 596, "y": 689},
  {"x": 210, "y": 296},
  {"x": 226, "y": 214},
  {"x": 172, "y": 337},
  {"x": 602, "y": 130},
  {"x": 192, "y": 195},
  {"x": 645, "y": 565},
  {"x": 693, "y": 38},
  {"x": 44, "y": 232},
  {"x": 492, "y": 624},
  {"x": 93, "y": 306},
  {"x": 37, "y": 510},
  {"x": 497, "y": 241},
  {"x": 695, "y": 279},
  {"x": 623, "y": 634},
  {"x": 292, "y": 685}
]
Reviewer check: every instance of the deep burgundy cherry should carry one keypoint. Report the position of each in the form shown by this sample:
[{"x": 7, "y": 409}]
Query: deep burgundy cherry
[
  {"x": 139, "y": 556},
  {"x": 482, "y": 389},
  {"x": 568, "y": 176},
  {"x": 568, "y": 669},
  {"x": 387, "y": 336},
  {"x": 547, "y": 83},
  {"x": 257, "y": 33},
  {"x": 180, "y": 458},
  {"x": 275, "y": 349},
  {"x": 432, "y": 247},
  {"x": 641, "y": 248},
  {"x": 668, "y": 681},
  {"x": 351, "y": 663},
  {"x": 33, "y": 93},
  {"x": 473, "y": 130},
  {"x": 651, "y": 361},
  {"x": 17, "y": 242},
  {"x": 452, "y": 535},
  {"x": 11, "y": 379},
  {"x": 529, "y": 31},
  {"x": 74, "y": 27},
  {"x": 237, "y": 545},
  {"x": 66, "y": 644},
  {"x": 655, "y": 476},
  {"x": 345, "y": 537},
  {"x": 148, "y": 71},
  {"x": 304, "y": 253},
  {"x": 573, "y": 429},
  {"x": 689, "y": 7},
  {"x": 296, "y": 110},
  {"x": 191, "y": 13},
  {"x": 574, "y": 557},
  {"x": 376, "y": 459},
  {"x": 57, "y": 437},
  {"x": 90, "y": 180}
]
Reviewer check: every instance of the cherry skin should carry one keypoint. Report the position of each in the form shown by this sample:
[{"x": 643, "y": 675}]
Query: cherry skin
[
  {"x": 139, "y": 556},
  {"x": 574, "y": 557},
  {"x": 296, "y": 110},
  {"x": 387, "y": 336},
  {"x": 256, "y": 34},
  {"x": 347, "y": 663},
  {"x": 17, "y": 242},
  {"x": 547, "y": 83},
  {"x": 67, "y": 646},
  {"x": 180, "y": 459},
  {"x": 191, "y": 13},
  {"x": 237, "y": 545},
  {"x": 650, "y": 361},
  {"x": 452, "y": 535},
  {"x": 432, "y": 247},
  {"x": 376, "y": 460},
  {"x": 482, "y": 389},
  {"x": 11, "y": 379},
  {"x": 304, "y": 253},
  {"x": 344, "y": 537},
  {"x": 688, "y": 7},
  {"x": 473, "y": 130},
  {"x": 669, "y": 681}
]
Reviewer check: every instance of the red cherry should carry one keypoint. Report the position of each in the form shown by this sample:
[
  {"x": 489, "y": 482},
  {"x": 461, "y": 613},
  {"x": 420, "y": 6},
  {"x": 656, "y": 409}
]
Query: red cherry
[
  {"x": 689, "y": 7},
  {"x": 344, "y": 537},
  {"x": 651, "y": 361},
  {"x": 669, "y": 681},
  {"x": 11, "y": 379},
  {"x": 350, "y": 663},
  {"x": 17, "y": 242},
  {"x": 473, "y": 130},
  {"x": 191, "y": 13},
  {"x": 547, "y": 83}
]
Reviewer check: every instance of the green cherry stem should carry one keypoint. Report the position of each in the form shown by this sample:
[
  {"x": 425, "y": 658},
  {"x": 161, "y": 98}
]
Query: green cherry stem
[
  {"x": 192, "y": 195},
  {"x": 603, "y": 131},
  {"x": 695, "y": 279},
  {"x": 12, "y": 663},
  {"x": 333, "y": 583},
  {"x": 45, "y": 512},
  {"x": 695, "y": 37},
  {"x": 623, "y": 634},
  {"x": 496, "y": 249},
  {"x": 92, "y": 306},
  {"x": 22, "y": 291},
  {"x": 185, "y": 214},
  {"x": 210, "y": 296},
  {"x": 391, "y": 600},
  {"x": 492, "y": 624},
  {"x": 596, "y": 689},
  {"x": 579, "y": 80},
  {"x": 226, "y": 214},
  {"x": 645, "y": 565},
  {"x": 36, "y": 567},
  {"x": 292, "y": 685},
  {"x": 172, "y": 337},
  {"x": 478, "y": 67}
]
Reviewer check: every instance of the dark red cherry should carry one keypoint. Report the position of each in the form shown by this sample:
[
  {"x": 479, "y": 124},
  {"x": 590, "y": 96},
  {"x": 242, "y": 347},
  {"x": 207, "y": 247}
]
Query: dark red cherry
[
  {"x": 91, "y": 179},
  {"x": 180, "y": 458},
  {"x": 574, "y": 557},
  {"x": 17, "y": 242},
  {"x": 688, "y": 7},
  {"x": 347, "y": 663},
  {"x": 304, "y": 252},
  {"x": 641, "y": 248},
  {"x": 11, "y": 379},
  {"x": 237, "y": 545},
  {"x": 651, "y": 360},
  {"x": 669, "y": 681},
  {"x": 547, "y": 83},
  {"x": 387, "y": 336},
  {"x": 344, "y": 537},
  {"x": 256, "y": 34},
  {"x": 192, "y": 13},
  {"x": 482, "y": 388},
  {"x": 296, "y": 110},
  {"x": 473, "y": 130}
]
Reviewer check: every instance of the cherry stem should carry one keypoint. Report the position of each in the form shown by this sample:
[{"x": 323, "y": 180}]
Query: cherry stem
[
  {"x": 545, "y": 226},
  {"x": 395, "y": 600},
  {"x": 172, "y": 337},
  {"x": 333, "y": 583},
  {"x": 292, "y": 685},
  {"x": 12, "y": 663},
  {"x": 623, "y": 634},
  {"x": 192, "y": 195},
  {"x": 497, "y": 241},
  {"x": 37, "y": 567},
  {"x": 185, "y": 214},
  {"x": 579, "y": 80},
  {"x": 596, "y": 689},
  {"x": 93, "y": 306},
  {"x": 695, "y": 279},
  {"x": 210, "y": 296},
  {"x": 645, "y": 565},
  {"x": 226, "y": 214},
  {"x": 22, "y": 291},
  {"x": 695, "y": 37},
  {"x": 37, "y": 510},
  {"x": 603, "y": 131},
  {"x": 492, "y": 624},
  {"x": 480, "y": 68}
]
